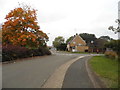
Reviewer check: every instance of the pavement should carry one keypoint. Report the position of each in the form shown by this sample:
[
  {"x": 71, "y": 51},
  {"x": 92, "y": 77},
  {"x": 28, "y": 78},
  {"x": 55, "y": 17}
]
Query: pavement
[{"x": 77, "y": 75}]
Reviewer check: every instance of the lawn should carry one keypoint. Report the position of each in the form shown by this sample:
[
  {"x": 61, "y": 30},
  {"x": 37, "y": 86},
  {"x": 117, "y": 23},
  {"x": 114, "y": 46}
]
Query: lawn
[
  {"x": 85, "y": 52},
  {"x": 107, "y": 69}
]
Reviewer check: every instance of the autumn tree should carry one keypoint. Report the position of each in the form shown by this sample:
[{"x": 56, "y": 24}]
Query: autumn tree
[{"x": 21, "y": 28}]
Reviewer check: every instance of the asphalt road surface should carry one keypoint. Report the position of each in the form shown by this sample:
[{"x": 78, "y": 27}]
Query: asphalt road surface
[{"x": 34, "y": 72}]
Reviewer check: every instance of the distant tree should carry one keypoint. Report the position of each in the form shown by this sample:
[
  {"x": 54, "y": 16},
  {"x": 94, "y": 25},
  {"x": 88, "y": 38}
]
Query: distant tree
[
  {"x": 107, "y": 38},
  {"x": 21, "y": 28},
  {"x": 62, "y": 47},
  {"x": 100, "y": 44},
  {"x": 58, "y": 41},
  {"x": 88, "y": 37},
  {"x": 69, "y": 39}
]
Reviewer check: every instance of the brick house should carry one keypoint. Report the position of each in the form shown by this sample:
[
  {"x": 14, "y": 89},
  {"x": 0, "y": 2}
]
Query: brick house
[{"x": 77, "y": 44}]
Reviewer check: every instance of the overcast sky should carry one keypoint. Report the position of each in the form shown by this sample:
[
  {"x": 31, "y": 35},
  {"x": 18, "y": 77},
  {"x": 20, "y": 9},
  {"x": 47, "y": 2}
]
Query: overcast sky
[{"x": 68, "y": 17}]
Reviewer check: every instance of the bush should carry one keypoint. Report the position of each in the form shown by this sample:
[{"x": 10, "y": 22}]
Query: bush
[
  {"x": 115, "y": 46},
  {"x": 62, "y": 47},
  {"x": 44, "y": 51},
  {"x": 11, "y": 52},
  {"x": 111, "y": 54}
]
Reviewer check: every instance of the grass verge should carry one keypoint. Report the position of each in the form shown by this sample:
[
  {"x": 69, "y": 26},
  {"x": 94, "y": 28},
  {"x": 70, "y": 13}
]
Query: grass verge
[{"x": 107, "y": 69}]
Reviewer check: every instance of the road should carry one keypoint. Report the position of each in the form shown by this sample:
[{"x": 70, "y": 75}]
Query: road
[{"x": 33, "y": 72}]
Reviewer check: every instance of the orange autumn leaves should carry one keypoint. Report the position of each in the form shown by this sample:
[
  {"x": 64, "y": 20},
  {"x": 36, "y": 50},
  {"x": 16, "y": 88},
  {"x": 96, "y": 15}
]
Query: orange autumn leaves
[{"x": 21, "y": 28}]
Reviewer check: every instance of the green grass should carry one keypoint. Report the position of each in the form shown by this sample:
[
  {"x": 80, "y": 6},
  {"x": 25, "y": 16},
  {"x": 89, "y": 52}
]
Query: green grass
[
  {"x": 107, "y": 69},
  {"x": 80, "y": 52},
  {"x": 85, "y": 52}
]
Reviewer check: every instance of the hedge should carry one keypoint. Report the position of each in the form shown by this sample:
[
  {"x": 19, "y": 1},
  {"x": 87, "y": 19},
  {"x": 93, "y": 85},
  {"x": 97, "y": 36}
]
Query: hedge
[
  {"x": 111, "y": 54},
  {"x": 11, "y": 52}
]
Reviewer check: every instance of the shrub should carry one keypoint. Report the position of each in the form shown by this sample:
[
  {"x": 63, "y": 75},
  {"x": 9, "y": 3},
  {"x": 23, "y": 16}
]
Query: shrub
[
  {"x": 111, "y": 54},
  {"x": 44, "y": 51},
  {"x": 115, "y": 46},
  {"x": 62, "y": 47},
  {"x": 11, "y": 52}
]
